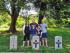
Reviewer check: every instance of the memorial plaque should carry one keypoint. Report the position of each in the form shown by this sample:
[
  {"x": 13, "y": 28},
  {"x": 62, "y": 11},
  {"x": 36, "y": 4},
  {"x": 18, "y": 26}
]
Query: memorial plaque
[
  {"x": 58, "y": 42},
  {"x": 13, "y": 42},
  {"x": 35, "y": 42}
]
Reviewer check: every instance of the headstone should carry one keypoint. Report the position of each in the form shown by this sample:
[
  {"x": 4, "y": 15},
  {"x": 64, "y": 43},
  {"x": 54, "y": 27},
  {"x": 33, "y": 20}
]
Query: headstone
[
  {"x": 35, "y": 42},
  {"x": 13, "y": 42},
  {"x": 58, "y": 42}
]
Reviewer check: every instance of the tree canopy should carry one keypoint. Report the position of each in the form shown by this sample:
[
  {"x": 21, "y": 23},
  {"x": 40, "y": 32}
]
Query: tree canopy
[{"x": 56, "y": 9}]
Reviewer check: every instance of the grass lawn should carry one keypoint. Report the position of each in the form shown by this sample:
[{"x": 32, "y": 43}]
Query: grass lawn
[{"x": 52, "y": 32}]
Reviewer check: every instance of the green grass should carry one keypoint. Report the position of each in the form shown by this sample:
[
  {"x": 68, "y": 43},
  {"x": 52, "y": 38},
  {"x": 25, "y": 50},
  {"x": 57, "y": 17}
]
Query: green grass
[{"x": 52, "y": 32}]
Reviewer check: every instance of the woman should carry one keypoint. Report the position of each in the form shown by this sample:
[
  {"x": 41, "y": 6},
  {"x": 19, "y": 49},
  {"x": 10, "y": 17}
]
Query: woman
[
  {"x": 44, "y": 33},
  {"x": 26, "y": 34}
]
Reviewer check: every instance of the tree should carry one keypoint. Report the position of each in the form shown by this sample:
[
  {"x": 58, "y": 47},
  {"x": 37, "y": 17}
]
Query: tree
[
  {"x": 15, "y": 13},
  {"x": 42, "y": 5},
  {"x": 12, "y": 7}
]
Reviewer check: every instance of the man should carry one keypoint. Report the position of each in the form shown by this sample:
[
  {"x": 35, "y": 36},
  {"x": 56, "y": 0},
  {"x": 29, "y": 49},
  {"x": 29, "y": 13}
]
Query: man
[{"x": 44, "y": 33}]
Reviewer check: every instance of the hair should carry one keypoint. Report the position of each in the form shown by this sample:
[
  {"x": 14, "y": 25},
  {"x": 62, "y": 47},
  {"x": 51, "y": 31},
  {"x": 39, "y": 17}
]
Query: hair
[{"x": 26, "y": 23}]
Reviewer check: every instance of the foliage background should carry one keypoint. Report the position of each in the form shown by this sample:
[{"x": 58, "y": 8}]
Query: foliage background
[{"x": 5, "y": 21}]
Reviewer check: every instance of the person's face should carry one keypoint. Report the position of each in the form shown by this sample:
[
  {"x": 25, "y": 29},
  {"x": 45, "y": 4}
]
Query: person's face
[
  {"x": 33, "y": 26},
  {"x": 27, "y": 25},
  {"x": 39, "y": 27},
  {"x": 33, "y": 21}
]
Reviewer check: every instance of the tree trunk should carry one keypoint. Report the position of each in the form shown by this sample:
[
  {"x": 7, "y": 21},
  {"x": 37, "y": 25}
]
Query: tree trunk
[
  {"x": 14, "y": 15},
  {"x": 13, "y": 24},
  {"x": 42, "y": 12},
  {"x": 40, "y": 19}
]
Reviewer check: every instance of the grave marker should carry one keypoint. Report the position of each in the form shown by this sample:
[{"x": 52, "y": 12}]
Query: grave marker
[
  {"x": 35, "y": 42},
  {"x": 58, "y": 42},
  {"x": 13, "y": 42}
]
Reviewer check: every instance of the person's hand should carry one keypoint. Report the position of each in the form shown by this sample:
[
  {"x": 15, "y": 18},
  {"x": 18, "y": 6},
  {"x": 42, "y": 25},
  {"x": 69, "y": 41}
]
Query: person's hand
[{"x": 38, "y": 32}]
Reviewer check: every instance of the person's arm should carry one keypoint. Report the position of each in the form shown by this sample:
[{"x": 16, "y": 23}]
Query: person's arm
[
  {"x": 41, "y": 34},
  {"x": 36, "y": 31},
  {"x": 23, "y": 29},
  {"x": 46, "y": 25}
]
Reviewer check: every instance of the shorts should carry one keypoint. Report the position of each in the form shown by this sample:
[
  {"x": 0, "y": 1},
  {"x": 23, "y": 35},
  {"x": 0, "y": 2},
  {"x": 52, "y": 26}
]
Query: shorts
[
  {"x": 44, "y": 35},
  {"x": 39, "y": 34},
  {"x": 26, "y": 37},
  {"x": 31, "y": 36}
]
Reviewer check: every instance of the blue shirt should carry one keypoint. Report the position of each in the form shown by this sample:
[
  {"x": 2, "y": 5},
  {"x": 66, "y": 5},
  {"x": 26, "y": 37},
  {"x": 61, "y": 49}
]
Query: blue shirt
[
  {"x": 33, "y": 28},
  {"x": 33, "y": 31}
]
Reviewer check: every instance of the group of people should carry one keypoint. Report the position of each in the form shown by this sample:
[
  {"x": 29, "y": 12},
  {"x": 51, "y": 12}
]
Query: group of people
[{"x": 34, "y": 29}]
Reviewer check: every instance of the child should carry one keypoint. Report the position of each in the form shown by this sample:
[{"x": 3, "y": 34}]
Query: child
[
  {"x": 39, "y": 32},
  {"x": 26, "y": 34}
]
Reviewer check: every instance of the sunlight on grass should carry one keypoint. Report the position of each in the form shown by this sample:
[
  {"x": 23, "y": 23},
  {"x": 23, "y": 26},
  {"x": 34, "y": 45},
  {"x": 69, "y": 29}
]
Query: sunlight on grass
[
  {"x": 68, "y": 46},
  {"x": 51, "y": 29}
]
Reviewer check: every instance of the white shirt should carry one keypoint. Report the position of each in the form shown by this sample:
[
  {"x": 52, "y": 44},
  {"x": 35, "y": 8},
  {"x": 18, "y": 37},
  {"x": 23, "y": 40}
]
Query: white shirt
[{"x": 43, "y": 28}]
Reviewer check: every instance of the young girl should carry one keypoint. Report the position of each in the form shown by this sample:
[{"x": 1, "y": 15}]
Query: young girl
[{"x": 39, "y": 32}]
